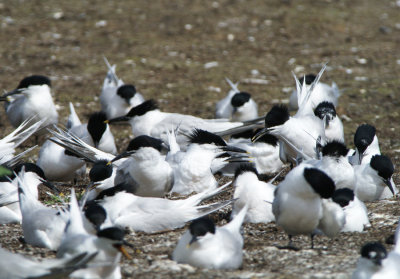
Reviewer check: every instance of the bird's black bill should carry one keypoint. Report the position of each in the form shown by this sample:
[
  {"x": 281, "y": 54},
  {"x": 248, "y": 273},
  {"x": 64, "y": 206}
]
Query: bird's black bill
[
  {"x": 260, "y": 134},
  {"x": 230, "y": 148},
  {"x": 122, "y": 155},
  {"x": 389, "y": 184},
  {"x": 51, "y": 186},
  {"x": 117, "y": 119}
]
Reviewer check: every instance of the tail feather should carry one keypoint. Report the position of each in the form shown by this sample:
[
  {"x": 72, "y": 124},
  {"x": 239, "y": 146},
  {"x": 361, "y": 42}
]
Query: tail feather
[
  {"x": 232, "y": 85},
  {"x": 235, "y": 224},
  {"x": 17, "y": 158},
  {"x": 73, "y": 118},
  {"x": 206, "y": 195},
  {"x": 204, "y": 210},
  {"x": 75, "y": 145}
]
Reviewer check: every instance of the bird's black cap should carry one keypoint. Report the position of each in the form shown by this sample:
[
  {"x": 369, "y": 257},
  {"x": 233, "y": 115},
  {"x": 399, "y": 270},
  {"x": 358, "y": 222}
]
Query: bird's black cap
[
  {"x": 325, "y": 108},
  {"x": 204, "y": 137},
  {"x": 320, "y": 182},
  {"x": 34, "y": 80},
  {"x": 239, "y": 99},
  {"x": 100, "y": 171},
  {"x": 126, "y": 92},
  {"x": 364, "y": 136},
  {"x": 122, "y": 187},
  {"x": 374, "y": 251},
  {"x": 335, "y": 149},
  {"x": 29, "y": 167},
  {"x": 143, "y": 108},
  {"x": 278, "y": 115},
  {"x": 383, "y": 165},
  {"x": 309, "y": 78},
  {"x": 95, "y": 213},
  {"x": 201, "y": 226},
  {"x": 144, "y": 141},
  {"x": 242, "y": 168},
  {"x": 343, "y": 196},
  {"x": 112, "y": 233},
  {"x": 96, "y": 126}
]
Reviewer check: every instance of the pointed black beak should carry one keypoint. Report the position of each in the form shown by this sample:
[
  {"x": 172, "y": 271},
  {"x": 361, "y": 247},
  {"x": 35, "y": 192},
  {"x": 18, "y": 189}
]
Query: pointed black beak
[
  {"x": 260, "y": 134},
  {"x": 230, "y": 148},
  {"x": 194, "y": 239},
  {"x": 388, "y": 182},
  {"x": 51, "y": 186},
  {"x": 14, "y": 92},
  {"x": 117, "y": 119},
  {"x": 120, "y": 156}
]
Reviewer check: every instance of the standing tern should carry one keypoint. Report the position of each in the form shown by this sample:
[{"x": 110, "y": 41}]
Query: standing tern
[
  {"x": 32, "y": 98},
  {"x": 297, "y": 205},
  {"x": 207, "y": 246}
]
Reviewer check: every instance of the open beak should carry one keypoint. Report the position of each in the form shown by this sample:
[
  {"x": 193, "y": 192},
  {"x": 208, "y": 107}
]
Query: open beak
[
  {"x": 51, "y": 186},
  {"x": 261, "y": 133},
  {"x": 117, "y": 119},
  {"x": 388, "y": 182}
]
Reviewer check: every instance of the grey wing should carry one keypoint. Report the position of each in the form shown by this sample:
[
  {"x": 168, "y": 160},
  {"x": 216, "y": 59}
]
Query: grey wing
[
  {"x": 124, "y": 177},
  {"x": 275, "y": 204}
]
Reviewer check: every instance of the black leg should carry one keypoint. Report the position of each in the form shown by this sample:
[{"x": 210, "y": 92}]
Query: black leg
[
  {"x": 289, "y": 246},
  {"x": 312, "y": 241}
]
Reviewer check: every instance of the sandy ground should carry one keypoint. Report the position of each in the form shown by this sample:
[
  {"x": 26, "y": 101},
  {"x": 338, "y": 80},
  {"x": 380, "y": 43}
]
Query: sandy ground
[{"x": 179, "y": 52}]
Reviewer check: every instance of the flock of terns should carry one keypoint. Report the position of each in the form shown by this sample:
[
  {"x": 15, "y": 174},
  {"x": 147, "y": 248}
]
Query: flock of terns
[{"x": 323, "y": 192}]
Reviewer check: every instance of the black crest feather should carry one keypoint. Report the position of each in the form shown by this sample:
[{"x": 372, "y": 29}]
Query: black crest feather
[
  {"x": 242, "y": 168},
  {"x": 201, "y": 226},
  {"x": 343, "y": 196},
  {"x": 122, "y": 187},
  {"x": 95, "y": 213},
  {"x": 30, "y": 167},
  {"x": 239, "y": 99},
  {"x": 320, "y": 182},
  {"x": 34, "y": 80},
  {"x": 309, "y": 78},
  {"x": 126, "y": 92},
  {"x": 204, "y": 137},
  {"x": 144, "y": 141},
  {"x": 335, "y": 149},
  {"x": 96, "y": 126},
  {"x": 383, "y": 165},
  {"x": 113, "y": 233},
  {"x": 325, "y": 108},
  {"x": 374, "y": 251},
  {"x": 278, "y": 115},
  {"x": 100, "y": 171},
  {"x": 143, "y": 108}
]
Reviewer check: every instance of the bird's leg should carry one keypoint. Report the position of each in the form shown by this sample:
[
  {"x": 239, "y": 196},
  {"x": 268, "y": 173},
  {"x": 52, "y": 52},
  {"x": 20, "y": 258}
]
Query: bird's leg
[
  {"x": 290, "y": 245},
  {"x": 312, "y": 240}
]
